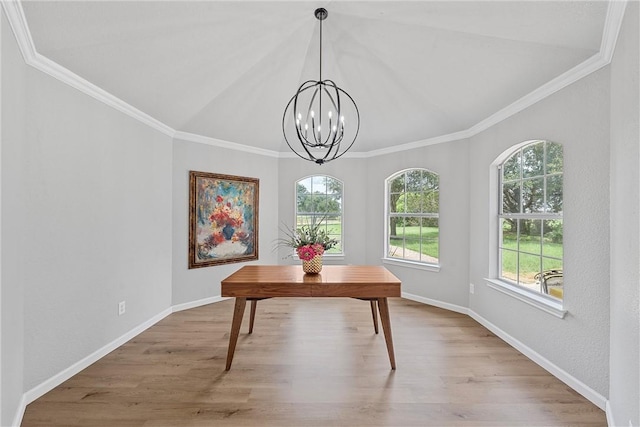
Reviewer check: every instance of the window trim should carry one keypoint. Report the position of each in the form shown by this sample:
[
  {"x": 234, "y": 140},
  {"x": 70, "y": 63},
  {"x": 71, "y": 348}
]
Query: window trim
[
  {"x": 538, "y": 300},
  {"x": 421, "y": 265},
  {"x": 334, "y": 256},
  {"x": 543, "y": 302}
]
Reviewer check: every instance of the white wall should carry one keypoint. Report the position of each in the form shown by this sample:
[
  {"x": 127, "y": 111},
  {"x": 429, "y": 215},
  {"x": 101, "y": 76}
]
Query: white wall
[
  {"x": 202, "y": 283},
  {"x": 11, "y": 294},
  {"x": 578, "y": 118},
  {"x": 87, "y": 214},
  {"x": 451, "y": 162},
  {"x": 624, "y": 386}
]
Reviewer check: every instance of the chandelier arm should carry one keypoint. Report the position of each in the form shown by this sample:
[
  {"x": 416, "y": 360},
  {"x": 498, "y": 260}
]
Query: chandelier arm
[
  {"x": 337, "y": 107},
  {"x": 357, "y": 128},
  {"x": 300, "y": 137}
]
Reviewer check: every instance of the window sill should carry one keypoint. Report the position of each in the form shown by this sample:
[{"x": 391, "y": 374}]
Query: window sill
[
  {"x": 538, "y": 301},
  {"x": 411, "y": 264}
]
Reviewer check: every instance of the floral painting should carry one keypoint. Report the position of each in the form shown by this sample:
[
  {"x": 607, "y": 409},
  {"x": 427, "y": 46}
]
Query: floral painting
[{"x": 223, "y": 219}]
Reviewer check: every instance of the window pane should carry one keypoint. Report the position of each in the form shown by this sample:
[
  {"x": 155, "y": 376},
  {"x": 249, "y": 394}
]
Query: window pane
[
  {"x": 554, "y": 158},
  {"x": 414, "y": 180},
  {"x": 396, "y": 238},
  {"x": 552, "y": 239},
  {"x": 319, "y": 201},
  {"x": 430, "y": 242},
  {"x": 430, "y": 201},
  {"x": 334, "y": 186},
  {"x": 509, "y": 234},
  {"x": 554, "y": 193},
  {"x": 530, "y": 236},
  {"x": 511, "y": 168},
  {"x": 413, "y": 200},
  {"x": 529, "y": 266},
  {"x": 509, "y": 265},
  {"x": 319, "y": 184},
  {"x": 533, "y": 195},
  {"x": 533, "y": 160},
  {"x": 412, "y": 238},
  {"x": 511, "y": 197},
  {"x": 396, "y": 202}
]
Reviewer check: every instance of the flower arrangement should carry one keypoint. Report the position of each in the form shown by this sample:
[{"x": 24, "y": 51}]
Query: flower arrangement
[
  {"x": 309, "y": 241},
  {"x": 224, "y": 214}
]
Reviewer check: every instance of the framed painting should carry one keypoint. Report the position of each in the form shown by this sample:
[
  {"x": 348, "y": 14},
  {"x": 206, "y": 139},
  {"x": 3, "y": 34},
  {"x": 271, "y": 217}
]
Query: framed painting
[{"x": 223, "y": 219}]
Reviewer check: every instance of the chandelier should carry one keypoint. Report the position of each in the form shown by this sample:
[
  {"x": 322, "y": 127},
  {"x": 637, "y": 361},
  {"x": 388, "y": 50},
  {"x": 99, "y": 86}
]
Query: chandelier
[{"x": 314, "y": 118}]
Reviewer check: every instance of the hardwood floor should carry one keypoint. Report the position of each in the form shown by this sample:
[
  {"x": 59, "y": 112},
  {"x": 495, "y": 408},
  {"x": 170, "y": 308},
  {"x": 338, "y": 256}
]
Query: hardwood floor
[{"x": 314, "y": 362}]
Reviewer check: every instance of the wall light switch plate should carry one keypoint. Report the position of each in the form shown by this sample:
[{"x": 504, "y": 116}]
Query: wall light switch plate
[
  {"x": 472, "y": 288},
  {"x": 121, "y": 308}
]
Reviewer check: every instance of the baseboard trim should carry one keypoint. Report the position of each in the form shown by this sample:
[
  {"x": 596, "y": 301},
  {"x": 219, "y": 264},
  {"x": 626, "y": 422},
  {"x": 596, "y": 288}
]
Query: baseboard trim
[
  {"x": 17, "y": 420},
  {"x": 61, "y": 377},
  {"x": 594, "y": 397},
  {"x": 586, "y": 391},
  {"x": 436, "y": 303},
  {"x": 580, "y": 387},
  {"x": 198, "y": 303}
]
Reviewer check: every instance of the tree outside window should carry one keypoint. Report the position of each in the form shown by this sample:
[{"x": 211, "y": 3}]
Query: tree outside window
[
  {"x": 530, "y": 241},
  {"x": 319, "y": 201},
  {"x": 413, "y": 198}
]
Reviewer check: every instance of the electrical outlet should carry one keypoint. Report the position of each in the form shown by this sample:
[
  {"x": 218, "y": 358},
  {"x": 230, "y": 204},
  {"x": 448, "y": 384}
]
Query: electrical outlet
[
  {"x": 121, "y": 308},
  {"x": 472, "y": 288}
]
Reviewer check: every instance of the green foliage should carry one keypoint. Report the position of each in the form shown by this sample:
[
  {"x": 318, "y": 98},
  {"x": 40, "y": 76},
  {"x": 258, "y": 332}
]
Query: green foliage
[{"x": 308, "y": 234}]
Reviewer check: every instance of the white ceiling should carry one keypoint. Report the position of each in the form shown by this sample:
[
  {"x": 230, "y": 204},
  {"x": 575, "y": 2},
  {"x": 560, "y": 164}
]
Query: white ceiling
[{"x": 226, "y": 69}]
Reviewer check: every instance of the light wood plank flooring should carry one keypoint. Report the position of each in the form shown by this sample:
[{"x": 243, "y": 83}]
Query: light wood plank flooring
[{"x": 314, "y": 362}]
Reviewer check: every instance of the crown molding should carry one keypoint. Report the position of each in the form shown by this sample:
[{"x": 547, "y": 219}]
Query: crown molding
[
  {"x": 18, "y": 22},
  {"x": 613, "y": 21},
  {"x": 192, "y": 137}
]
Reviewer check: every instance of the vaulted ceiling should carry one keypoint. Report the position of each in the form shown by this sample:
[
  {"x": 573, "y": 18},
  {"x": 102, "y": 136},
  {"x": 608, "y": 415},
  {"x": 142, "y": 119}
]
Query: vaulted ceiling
[{"x": 418, "y": 70}]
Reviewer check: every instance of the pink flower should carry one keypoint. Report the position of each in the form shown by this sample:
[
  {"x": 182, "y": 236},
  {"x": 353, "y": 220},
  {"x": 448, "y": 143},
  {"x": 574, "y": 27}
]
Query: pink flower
[{"x": 306, "y": 253}]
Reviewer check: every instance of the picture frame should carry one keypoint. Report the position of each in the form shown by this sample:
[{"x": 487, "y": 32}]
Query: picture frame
[{"x": 223, "y": 219}]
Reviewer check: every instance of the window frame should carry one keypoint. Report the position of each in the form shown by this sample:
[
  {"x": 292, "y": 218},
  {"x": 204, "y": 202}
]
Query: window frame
[
  {"x": 335, "y": 255},
  {"x": 423, "y": 265},
  {"x": 538, "y": 299}
]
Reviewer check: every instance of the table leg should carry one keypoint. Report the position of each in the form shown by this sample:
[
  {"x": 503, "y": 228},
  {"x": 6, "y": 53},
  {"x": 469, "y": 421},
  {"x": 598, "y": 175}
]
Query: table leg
[
  {"x": 374, "y": 314},
  {"x": 238, "y": 312},
  {"x": 252, "y": 316},
  {"x": 386, "y": 327}
]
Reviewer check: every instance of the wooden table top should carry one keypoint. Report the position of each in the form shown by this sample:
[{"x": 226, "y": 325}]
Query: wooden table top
[{"x": 359, "y": 281}]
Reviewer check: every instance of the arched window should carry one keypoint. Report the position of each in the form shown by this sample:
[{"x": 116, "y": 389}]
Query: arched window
[
  {"x": 413, "y": 205},
  {"x": 530, "y": 218},
  {"x": 319, "y": 200}
]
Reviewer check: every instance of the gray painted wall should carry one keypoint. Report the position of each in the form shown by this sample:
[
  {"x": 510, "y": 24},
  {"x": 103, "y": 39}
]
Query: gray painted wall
[
  {"x": 87, "y": 215},
  {"x": 624, "y": 386},
  {"x": 200, "y": 283},
  {"x": 13, "y": 265},
  {"x": 578, "y": 118},
  {"x": 451, "y": 162}
]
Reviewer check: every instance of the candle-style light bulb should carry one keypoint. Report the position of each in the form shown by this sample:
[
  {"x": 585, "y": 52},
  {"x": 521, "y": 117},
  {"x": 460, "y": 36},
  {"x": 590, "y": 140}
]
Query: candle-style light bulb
[
  {"x": 313, "y": 114},
  {"x": 330, "y": 114}
]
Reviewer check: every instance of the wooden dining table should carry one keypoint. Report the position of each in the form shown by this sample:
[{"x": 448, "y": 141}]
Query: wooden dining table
[{"x": 257, "y": 282}]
